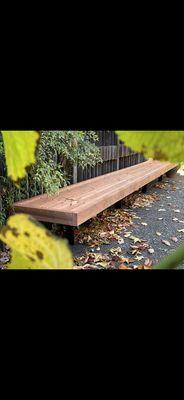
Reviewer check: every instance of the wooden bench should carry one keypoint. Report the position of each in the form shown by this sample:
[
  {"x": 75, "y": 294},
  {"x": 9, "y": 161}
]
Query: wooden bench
[{"x": 75, "y": 204}]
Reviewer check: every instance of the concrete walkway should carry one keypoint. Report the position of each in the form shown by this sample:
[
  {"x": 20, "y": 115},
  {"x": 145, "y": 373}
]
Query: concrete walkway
[{"x": 160, "y": 224}]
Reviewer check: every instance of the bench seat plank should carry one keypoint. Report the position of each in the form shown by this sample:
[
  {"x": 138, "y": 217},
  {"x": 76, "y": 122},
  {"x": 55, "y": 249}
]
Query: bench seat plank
[{"x": 77, "y": 203}]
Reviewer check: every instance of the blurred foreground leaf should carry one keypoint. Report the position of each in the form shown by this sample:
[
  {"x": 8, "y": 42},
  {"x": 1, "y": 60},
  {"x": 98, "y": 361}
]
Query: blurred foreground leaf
[
  {"x": 20, "y": 152},
  {"x": 159, "y": 145},
  {"x": 33, "y": 247}
]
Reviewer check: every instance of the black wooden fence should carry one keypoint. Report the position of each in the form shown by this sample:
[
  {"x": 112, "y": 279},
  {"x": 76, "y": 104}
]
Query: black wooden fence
[{"x": 115, "y": 156}]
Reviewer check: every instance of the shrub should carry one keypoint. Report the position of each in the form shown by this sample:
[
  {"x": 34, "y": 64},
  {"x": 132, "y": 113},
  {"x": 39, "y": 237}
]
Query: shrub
[{"x": 57, "y": 152}]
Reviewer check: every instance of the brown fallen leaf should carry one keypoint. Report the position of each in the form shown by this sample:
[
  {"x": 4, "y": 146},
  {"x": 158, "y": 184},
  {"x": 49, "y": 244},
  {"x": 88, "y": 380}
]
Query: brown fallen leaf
[
  {"x": 115, "y": 250},
  {"x": 120, "y": 258},
  {"x": 161, "y": 185},
  {"x": 135, "y": 239},
  {"x": 105, "y": 228},
  {"x": 148, "y": 263},
  {"x": 104, "y": 264},
  {"x": 140, "y": 200},
  {"x": 123, "y": 266},
  {"x": 139, "y": 247}
]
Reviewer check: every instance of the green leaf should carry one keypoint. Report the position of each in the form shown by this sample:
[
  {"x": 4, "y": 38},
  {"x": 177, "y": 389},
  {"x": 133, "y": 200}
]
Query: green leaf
[
  {"x": 33, "y": 247},
  {"x": 20, "y": 150},
  {"x": 160, "y": 145}
]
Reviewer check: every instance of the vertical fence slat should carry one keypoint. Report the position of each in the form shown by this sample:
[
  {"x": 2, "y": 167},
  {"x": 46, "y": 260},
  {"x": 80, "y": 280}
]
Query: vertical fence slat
[{"x": 115, "y": 156}]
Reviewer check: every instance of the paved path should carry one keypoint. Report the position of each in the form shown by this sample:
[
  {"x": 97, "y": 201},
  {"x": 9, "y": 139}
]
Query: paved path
[
  {"x": 152, "y": 223},
  {"x": 154, "y": 219}
]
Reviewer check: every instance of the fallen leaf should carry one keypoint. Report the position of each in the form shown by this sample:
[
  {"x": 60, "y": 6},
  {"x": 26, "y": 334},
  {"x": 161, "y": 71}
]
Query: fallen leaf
[
  {"x": 160, "y": 219},
  {"x": 139, "y": 258},
  {"x": 140, "y": 200},
  {"x": 148, "y": 263},
  {"x": 151, "y": 251},
  {"x": 115, "y": 250},
  {"x": 175, "y": 219},
  {"x": 135, "y": 239},
  {"x": 166, "y": 242},
  {"x": 137, "y": 249},
  {"x": 180, "y": 230},
  {"x": 174, "y": 239},
  {"x": 104, "y": 264},
  {"x": 158, "y": 234},
  {"x": 176, "y": 211},
  {"x": 123, "y": 266},
  {"x": 161, "y": 185},
  {"x": 105, "y": 228},
  {"x": 144, "y": 224},
  {"x": 161, "y": 209},
  {"x": 127, "y": 235}
]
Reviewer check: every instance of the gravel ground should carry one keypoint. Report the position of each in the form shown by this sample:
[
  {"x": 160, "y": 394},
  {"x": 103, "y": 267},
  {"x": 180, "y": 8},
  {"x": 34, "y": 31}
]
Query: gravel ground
[{"x": 171, "y": 199}]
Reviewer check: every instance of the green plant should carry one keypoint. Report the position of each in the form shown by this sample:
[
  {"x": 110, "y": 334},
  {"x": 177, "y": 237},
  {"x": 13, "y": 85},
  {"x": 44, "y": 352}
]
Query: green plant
[{"x": 57, "y": 152}]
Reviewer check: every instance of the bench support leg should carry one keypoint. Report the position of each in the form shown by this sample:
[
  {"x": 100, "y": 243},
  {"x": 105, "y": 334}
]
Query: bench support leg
[
  {"x": 145, "y": 188},
  {"x": 119, "y": 204},
  {"x": 69, "y": 234},
  {"x": 172, "y": 172},
  {"x": 160, "y": 179},
  {"x": 47, "y": 225}
]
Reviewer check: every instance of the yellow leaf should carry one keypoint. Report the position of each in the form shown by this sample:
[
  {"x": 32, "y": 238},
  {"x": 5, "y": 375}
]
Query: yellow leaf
[
  {"x": 33, "y": 246},
  {"x": 161, "y": 145},
  {"x": 20, "y": 150}
]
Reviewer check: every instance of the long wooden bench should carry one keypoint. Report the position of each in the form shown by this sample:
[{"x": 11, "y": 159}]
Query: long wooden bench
[{"x": 75, "y": 204}]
